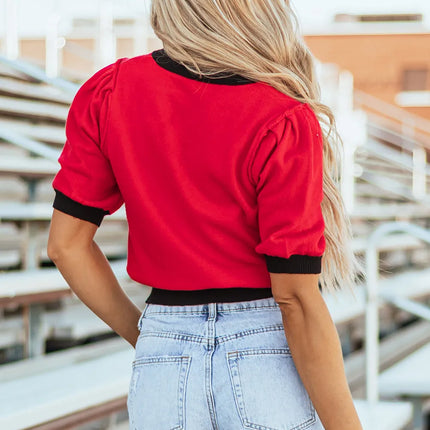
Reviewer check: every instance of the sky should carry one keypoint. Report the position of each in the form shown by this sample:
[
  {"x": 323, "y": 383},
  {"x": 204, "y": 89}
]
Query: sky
[{"x": 312, "y": 13}]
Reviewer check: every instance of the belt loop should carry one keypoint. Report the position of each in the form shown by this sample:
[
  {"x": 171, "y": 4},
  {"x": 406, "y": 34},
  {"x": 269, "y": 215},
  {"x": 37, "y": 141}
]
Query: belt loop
[
  {"x": 142, "y": 315},
  {"x": 212, "y": 311}
]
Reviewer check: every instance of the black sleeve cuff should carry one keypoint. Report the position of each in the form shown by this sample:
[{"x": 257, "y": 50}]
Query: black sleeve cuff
[
  {"x": 78, "y": 210},
  {"x": 294, "y": 264}
]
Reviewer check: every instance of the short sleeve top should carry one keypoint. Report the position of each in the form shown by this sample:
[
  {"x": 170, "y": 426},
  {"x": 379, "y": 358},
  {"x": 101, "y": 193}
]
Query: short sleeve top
[
  {"x": 86, "y": 175},
  {"x": 222, "y": 178},
  {"x": 288, "y": 175}
]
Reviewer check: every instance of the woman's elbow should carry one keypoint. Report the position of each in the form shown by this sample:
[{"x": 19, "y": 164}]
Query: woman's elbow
[
  {"x": 58, "y": 248},
  {"x": 291, "y": 289},
  {"x": 69, "y": 235},
  {"x": 55, "y": 250}
]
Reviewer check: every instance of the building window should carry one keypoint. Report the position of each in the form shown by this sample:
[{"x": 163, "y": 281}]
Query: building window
[
  {"x": 402, "y": 17},
  {"x": 415, "y": 80}
]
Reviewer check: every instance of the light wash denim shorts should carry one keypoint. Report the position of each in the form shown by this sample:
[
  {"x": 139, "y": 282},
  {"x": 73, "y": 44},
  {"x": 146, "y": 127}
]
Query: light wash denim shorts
[{"x": 216, "y": 366}]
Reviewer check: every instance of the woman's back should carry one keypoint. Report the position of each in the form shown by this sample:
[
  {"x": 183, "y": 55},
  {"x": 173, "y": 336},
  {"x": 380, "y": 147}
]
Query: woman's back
[
  {"x": 227, "y": 184},
  {"x": 210, "y": 171}
]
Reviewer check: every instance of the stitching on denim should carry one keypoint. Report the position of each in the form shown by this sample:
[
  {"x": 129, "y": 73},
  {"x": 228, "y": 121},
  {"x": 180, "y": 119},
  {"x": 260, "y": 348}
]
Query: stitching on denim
[
  {"x": 221, "y": 311},
  {"x": 178, "y": 336},
  {"x": 201, "y": 339},
  {"x": 244, "y": 333},
  {"x": 235, "y": 355},
  {"x": 182, "y": 385}
]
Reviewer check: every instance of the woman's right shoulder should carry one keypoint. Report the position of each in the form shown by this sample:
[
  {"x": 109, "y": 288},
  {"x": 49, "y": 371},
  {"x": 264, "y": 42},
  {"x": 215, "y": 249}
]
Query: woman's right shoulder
[{"x": 136, "y": 62}]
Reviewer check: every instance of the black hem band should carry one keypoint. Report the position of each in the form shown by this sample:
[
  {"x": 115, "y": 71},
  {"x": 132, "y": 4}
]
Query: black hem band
[
  {"x": 294, "y": 264},
  {"x": 212, "y": 295},
  {"x": 162, "y": 59},
  {"x": 71, "y": 207}
]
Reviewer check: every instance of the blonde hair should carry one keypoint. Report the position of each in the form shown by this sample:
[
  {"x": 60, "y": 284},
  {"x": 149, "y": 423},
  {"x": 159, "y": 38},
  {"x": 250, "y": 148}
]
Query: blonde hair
[{"x": 259, "y": 39}]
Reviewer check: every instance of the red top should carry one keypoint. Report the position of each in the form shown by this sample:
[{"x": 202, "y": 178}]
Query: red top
[{"x": 221, "y": 177}]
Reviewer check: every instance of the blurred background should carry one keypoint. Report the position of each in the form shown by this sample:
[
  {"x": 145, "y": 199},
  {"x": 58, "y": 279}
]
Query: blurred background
[{"x": 61, "y": 367}]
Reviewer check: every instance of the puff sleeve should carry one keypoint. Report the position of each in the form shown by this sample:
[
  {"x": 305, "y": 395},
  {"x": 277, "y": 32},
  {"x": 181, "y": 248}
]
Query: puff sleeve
[
  {"x": 85, "y": 185},
  {"x": 287, "y": 171}
]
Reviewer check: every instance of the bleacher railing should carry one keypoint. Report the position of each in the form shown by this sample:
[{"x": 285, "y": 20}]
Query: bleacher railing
[
  {"x": 101, "y": 28},
  {"x": 373, "y": 295},
  {"x": 407, "y": 124}
]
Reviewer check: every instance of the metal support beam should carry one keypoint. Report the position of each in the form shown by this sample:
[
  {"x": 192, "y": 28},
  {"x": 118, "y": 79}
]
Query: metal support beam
[
  {"x": 410, "y": 306},
  {"x": 52, "y": 48},
  {"x": 39, "y": 74},
  {"x": 106, "y": 37},
  {"x": 29, "y": 144},
  {"x": 11, "y": 23},
  {"x": 419, "y": 177},
  {"x": 372, "y": 297},
  {"x": 141, "y": 34}
]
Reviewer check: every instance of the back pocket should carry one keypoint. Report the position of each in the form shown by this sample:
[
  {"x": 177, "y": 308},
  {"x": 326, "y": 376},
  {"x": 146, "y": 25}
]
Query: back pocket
[
  {"x": 268, "y": 391},
  {"x": 156, "y": 398}
]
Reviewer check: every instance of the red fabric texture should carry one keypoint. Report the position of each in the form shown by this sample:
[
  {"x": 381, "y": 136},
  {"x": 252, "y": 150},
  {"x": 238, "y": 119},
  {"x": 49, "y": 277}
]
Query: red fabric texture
[{"x": 212, "y": 176}]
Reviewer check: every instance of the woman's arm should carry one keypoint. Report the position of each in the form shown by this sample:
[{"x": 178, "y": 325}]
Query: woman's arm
[
  {"x": 87, "y": 271},
  {"x": 315, "y": 348}
]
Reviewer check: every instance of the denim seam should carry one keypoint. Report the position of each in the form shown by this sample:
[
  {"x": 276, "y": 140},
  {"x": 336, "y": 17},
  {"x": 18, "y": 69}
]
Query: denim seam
[
  {"x": 159, "y": 359},
  {"x": 182, "y": 383},
  {"x": 244, "y": 333},
  {"x": 188, "y": 337},
  {"x": 142, "y": 316},
  {"x": 234, "y": 355},
  {"x": 218, "y": 340},
  {"x": 210, "y": 345},
  {"x": 219, "y": 312}
]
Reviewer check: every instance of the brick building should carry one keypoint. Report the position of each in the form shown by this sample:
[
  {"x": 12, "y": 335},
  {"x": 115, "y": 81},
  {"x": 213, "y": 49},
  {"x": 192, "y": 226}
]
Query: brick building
[{"x": 388, "y": 55}]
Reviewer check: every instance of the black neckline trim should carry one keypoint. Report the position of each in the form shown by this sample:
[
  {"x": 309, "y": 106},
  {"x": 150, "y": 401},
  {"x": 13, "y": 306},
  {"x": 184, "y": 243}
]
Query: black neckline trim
[{"x": 163, "y": 60}]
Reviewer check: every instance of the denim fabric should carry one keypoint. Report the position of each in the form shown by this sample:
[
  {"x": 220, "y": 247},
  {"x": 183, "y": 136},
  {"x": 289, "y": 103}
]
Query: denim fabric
[{"x": 216, "y": 366}]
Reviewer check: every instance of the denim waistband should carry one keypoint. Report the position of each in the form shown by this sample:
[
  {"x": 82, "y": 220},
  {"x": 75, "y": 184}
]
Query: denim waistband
[{"x": 211, "y": 308}]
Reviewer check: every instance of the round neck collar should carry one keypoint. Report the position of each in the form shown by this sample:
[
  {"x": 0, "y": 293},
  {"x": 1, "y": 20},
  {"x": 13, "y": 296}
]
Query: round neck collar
[{"x": 162, "y": 59}]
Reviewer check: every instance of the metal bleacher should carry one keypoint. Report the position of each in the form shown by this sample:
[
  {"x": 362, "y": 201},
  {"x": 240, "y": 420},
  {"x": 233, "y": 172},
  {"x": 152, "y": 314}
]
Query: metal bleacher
[
  {"x": 408, "y": 378},
  {"x": 38, "y": 307}
]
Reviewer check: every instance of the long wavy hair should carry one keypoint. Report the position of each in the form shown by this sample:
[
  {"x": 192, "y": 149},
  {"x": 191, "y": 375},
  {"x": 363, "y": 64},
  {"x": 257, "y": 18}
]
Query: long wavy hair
[{"x": 260, "y": 40}]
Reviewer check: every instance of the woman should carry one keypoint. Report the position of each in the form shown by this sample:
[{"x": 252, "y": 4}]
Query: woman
[{"x": 215, "y": 145}]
